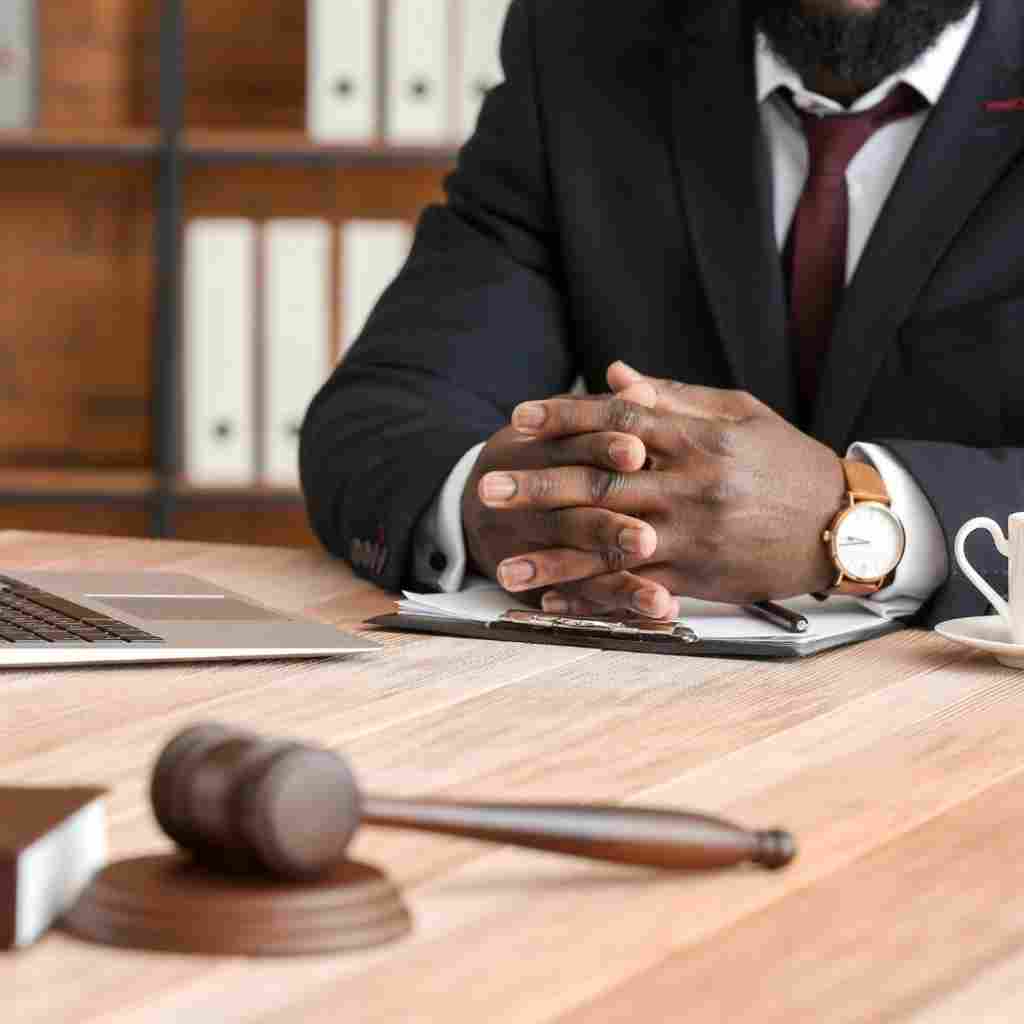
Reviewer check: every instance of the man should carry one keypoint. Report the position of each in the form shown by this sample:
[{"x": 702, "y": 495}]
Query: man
[{"x": 799, "y": 224}]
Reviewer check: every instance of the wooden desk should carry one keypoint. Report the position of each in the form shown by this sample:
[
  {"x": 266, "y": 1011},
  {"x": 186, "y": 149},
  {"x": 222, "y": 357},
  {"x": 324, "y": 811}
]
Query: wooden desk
[{"x": 897, "y": 764}]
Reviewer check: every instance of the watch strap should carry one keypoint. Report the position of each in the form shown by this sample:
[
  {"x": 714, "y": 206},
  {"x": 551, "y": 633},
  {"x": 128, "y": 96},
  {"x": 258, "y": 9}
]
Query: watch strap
[{"x": 864, "y": 482}]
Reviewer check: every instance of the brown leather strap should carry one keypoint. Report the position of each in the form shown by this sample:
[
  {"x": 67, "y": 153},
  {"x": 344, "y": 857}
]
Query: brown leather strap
[
  {"x": 864, "y": 482},
  {"x": 856, "y": 589}
]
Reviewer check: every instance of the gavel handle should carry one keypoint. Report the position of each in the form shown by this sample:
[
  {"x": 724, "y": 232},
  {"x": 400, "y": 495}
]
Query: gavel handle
[{"x": 623, "y": 835}]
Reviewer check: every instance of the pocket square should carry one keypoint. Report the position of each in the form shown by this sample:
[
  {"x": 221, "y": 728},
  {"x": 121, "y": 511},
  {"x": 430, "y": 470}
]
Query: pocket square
[{"x": 1000, "y": 106}]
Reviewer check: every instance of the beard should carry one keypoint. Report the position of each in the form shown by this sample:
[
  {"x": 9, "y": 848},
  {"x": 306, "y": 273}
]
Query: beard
[{"x": 857, "y": 46}]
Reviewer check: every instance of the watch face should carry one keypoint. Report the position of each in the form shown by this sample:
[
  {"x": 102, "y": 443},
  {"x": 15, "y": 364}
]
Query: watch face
[{"x": 868, "y": 543}]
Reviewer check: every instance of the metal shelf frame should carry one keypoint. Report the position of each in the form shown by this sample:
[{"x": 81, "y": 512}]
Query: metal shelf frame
[{"x": 168, "y": 225}]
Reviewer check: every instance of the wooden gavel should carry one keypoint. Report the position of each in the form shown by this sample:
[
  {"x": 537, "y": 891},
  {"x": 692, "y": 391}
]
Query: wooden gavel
[{"x": 242, "y": 803}]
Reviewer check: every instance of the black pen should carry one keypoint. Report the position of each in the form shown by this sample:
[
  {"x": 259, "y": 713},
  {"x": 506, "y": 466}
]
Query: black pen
[{"x": 778, "y": 614}]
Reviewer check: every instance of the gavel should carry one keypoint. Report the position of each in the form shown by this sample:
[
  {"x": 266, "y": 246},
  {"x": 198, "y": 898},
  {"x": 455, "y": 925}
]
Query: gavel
[{"x": 241, "y": 803}]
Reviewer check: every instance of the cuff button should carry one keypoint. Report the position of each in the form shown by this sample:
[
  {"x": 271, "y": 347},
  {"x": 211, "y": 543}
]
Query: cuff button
[{"x": 438, "y": 561}]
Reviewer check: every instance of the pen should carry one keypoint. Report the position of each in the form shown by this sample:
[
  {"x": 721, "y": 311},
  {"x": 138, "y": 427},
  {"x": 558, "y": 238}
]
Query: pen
[{"x": 779, "y": 614}]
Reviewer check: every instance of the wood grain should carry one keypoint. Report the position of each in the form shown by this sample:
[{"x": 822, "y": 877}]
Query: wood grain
[
  {"x": 99, "y": 65},
  {"x": 104, "y": 516},
  {"x": 75, "y": 313},
  {"x": 246, "y": 64},
  {"x": 245, "y": 520},
  {"x": 896, "y": 763}
]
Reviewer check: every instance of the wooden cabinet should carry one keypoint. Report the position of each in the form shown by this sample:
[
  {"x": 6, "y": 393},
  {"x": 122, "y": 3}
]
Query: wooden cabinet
[{"x": 151, "y": 113}]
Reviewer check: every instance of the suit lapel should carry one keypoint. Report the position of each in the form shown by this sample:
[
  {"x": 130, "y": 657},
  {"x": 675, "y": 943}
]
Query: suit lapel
[
  {"x": 726, "y": 182},
  {"x": 961, "y": 152}
]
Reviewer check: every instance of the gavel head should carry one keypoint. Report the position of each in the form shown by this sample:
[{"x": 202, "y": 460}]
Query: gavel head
[{"x": 240, "y": 803}]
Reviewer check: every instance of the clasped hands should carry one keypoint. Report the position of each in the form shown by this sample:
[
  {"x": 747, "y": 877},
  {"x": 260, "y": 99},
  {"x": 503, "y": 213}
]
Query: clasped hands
[{"x": 621, "y": 502}]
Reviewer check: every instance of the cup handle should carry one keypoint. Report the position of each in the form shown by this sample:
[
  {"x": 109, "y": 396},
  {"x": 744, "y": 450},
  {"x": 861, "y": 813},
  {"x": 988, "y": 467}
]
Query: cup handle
[{"x": 1002, "y": 545}]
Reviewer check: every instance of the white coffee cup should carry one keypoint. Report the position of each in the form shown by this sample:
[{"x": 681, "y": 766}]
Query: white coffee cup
[{"x": 1012, "y": 546}]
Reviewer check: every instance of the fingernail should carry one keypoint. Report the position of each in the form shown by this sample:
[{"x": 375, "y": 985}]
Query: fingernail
[
  {"x": 514, "y": 574},
  {"x": 554, "y": 603},
  {"x": 499, "y": 486},
  {"x": 626, "y": 366},
  {"x": 622, "y": 451},
  {"x": 635, "y": 541},
  {"x": 530, "y": 416},
  {"x": 647, "y": 601}
]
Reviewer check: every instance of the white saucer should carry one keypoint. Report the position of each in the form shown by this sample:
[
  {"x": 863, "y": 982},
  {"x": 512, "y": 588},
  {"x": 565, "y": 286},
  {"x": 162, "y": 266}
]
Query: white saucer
[{"x": 985, "y": 633}]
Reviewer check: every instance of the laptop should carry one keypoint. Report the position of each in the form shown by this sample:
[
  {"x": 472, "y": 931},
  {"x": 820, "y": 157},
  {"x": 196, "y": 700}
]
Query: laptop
[{"x": 93, "y": 618}]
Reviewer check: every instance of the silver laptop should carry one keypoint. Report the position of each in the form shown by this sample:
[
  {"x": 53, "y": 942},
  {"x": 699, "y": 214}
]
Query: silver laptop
[{"x": 85, "y": 618}]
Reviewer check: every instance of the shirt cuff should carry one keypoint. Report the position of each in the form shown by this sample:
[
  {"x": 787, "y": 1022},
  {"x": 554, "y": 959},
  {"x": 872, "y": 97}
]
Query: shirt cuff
[
  {"x": 439, "y": 546},
  {"x": 925, "y": 564}
]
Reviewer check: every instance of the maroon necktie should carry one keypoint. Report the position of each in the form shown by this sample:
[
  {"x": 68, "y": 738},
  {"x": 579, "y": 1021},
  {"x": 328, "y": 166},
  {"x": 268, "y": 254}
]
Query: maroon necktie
[{"x": 815, "y": 253}]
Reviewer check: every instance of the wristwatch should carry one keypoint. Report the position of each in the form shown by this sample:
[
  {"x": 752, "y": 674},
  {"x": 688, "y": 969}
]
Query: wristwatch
[{"x": 866, "y": 539}]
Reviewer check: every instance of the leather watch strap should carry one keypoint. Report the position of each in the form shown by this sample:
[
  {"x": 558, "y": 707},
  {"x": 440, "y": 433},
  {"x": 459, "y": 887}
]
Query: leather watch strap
[
  {"x": 864, "y": 482},
  {"x": 853, "y": 588}
]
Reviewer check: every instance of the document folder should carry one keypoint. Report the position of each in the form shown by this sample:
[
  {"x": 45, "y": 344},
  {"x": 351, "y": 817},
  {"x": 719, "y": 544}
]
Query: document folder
[{"x": 704, "y": 628}]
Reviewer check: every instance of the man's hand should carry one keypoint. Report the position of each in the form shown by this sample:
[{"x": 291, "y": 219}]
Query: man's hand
[
  {"x": 507, "y": 509},
  {"x": 737, "y": 496}
]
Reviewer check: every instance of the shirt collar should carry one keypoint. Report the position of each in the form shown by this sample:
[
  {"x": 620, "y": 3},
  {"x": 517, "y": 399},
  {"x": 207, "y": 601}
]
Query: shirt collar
[{"x": 928, "y": 74}]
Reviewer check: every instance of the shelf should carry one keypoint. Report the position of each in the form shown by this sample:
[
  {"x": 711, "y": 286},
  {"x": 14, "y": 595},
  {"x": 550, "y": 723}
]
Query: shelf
[
  {"x": 249, "y": 494},
  {"x": 110, "y": 484},
  {"x": 133, "y": 144},
  {"x": 208, "y": 146},
  {"x": 76, "y": 484}
]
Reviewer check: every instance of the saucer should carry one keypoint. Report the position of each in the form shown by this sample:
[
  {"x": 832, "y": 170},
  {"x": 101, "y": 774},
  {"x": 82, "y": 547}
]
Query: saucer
[{"x": 985, "y": 633}]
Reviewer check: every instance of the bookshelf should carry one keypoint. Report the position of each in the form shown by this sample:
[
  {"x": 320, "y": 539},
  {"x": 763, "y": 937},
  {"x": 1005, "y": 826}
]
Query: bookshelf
[{"x": 152, "y": 112}]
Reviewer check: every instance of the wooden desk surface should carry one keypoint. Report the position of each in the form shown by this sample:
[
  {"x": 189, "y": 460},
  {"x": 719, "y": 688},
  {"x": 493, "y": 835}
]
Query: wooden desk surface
[{"x": 897, "y": 764}]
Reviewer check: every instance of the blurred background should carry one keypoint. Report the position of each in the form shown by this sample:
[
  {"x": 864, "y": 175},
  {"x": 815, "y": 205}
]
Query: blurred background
[{"x": 201, "y": 200}]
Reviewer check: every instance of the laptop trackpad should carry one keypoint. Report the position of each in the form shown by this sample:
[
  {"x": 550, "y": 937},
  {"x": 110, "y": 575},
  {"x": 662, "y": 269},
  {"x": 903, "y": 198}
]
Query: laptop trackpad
[{"x": 190, "y": 609}]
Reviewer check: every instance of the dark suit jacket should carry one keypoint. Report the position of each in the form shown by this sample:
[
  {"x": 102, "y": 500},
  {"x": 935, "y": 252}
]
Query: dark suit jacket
[{"x": 615, "y": 202}]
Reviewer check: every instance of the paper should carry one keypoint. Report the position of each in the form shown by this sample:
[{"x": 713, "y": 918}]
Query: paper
[{"x": 486, "y": 601}]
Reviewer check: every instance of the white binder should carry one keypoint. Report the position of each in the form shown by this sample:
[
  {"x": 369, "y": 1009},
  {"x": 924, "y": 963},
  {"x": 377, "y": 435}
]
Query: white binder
[
  {"x": 419, "y": 73},
  {"x": 343, "y": 70},
  {"x": 296, "y": 326},
  {"x": 372, "y": 253},
  {"x": 18, "y": 64},
  {"x": 219, "y": 446},
  {"x": 480, "y": 25}
]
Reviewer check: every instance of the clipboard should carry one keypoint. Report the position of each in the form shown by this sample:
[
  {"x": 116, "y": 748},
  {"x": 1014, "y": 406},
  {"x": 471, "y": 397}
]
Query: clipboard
[{"x": 618, "y": 633}]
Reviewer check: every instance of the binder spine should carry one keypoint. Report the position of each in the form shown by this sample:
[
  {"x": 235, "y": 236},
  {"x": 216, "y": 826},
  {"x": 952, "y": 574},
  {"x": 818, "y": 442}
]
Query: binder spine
[
  {"x": 296, "y": 318},
  {"x": 479, "y": 65},
  {"x": 19, "y": 64},
  {"x": 418, "y": 104},
  {"x": 372, "y": 253},
  {"x": 220, "y": 271},
  {"x": 344, "y": 70}
]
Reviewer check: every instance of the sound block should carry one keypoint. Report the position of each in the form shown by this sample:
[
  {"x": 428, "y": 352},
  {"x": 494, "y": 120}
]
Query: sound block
[{"x": 171, "y": 903}]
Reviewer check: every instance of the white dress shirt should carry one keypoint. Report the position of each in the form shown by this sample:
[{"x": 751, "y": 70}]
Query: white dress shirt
[{"x": 439, "y": 545}]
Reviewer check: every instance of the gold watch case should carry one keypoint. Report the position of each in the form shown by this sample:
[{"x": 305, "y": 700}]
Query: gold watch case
[{"x": 829, "y": 536}]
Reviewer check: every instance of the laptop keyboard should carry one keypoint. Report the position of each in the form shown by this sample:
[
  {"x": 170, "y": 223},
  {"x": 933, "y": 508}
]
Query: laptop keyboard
[{"x": 33, "y": 617}]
